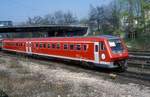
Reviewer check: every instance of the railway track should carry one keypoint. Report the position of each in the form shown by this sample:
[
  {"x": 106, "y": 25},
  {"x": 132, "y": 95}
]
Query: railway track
[
  {"x": 138, "y": 76},
  {"x": 139, "y": 59}
]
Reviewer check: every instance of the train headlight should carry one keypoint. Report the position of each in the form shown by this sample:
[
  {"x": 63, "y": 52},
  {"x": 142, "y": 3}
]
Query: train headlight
[{"x": 103, "y": 56}]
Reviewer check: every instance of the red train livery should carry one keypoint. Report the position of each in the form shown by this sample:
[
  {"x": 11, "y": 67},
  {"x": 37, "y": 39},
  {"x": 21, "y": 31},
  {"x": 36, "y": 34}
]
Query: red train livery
[
  {"x": 104, "y": 51},
  {"x": 0, "y": 44}
]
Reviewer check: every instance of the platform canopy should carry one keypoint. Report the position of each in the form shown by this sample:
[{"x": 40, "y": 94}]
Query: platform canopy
[
  {"x": 51, "y": 30},
  {"x": 42, "y": 28}
]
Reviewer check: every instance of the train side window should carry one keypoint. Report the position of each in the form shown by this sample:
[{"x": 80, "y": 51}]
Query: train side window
[
  {"x": 102, "y": 47},
  {"x": 65, "y": 46},
  {"x": 78, "y": 47},
  {"x": 44, "y": 45},
  {"x": 40, "y": 45},
  {"x": 53, "y": 45},
  {"x": 58, "y": 46},
  {"x": 36, "y": 45},
  {"x": 96, "y": 48},
  {"x": 84, "y": 47},
  {"x": 48, "y": 46},
  {"x": 71, "y": 46}
]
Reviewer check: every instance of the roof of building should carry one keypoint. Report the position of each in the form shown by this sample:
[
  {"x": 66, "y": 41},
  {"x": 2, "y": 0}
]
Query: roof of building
[{"x": 43, "y": 28}]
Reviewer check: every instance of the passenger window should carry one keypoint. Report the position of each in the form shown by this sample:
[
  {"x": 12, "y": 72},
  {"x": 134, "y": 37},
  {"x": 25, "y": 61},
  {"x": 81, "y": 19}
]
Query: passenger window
[
  {"x": 96, "y": 48},
  {"x": 65, "y": 46},
  {"x": 78, "y": 47},
  {"x": 84, "y": 47},
  {"x": 40, "y": 45},
  {"x": 53, "y": 45},
  {"x": 58, "y": 46},
  {"x": 102, "y": 47},
  {"x": 44, "y": 45},
  {"x": 48, "y": 45},
  {"x": 37, "y": 45},
  {"x": 71, "y": 47}
]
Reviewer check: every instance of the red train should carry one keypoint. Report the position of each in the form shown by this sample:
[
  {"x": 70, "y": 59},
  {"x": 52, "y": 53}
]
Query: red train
[
  {"x": 0, "y": 44},
  {"x": 104, "y": 51}
]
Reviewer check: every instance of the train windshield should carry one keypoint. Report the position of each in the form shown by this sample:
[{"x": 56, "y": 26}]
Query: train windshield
[{"x": 116, "y": 45}]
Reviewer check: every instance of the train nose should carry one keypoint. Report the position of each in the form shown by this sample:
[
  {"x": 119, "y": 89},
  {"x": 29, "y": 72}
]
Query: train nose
[{"x": 120, "y": 54}]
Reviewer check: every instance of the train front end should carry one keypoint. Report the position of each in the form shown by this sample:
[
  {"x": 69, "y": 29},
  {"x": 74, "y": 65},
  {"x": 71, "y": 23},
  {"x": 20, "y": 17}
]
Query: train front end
[
  {"x": 113, "y": 53},
  {"x": 118, "y": 53}
]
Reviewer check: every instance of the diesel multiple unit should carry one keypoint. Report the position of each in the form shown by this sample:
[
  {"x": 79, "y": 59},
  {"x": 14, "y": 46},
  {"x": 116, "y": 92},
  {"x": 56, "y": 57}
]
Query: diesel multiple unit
[{"x": 103, "y": 51}]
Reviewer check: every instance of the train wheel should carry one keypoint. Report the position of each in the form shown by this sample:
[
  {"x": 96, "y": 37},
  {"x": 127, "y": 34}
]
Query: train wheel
[
  {"x": 122, "y": 65},
  {"x": 89, "y": 65}
]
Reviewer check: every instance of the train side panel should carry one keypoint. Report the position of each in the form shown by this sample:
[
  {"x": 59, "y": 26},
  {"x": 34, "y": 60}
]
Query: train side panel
[
  {"x": 103, "y": 51},
  {"x": 17, "y": 46},
  {"x": 69, "y": 50},
  {"x": 84, "y": 51}
]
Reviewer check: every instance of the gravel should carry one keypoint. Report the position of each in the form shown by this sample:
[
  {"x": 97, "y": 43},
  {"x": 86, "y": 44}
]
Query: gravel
[
  {"x": 37, "y": 80},
  {"x": 84, "y": 85}
]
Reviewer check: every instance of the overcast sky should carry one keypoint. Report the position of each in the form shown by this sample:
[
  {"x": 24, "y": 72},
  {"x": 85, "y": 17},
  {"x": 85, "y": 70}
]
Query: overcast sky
[{"x": 20, "y": 10}]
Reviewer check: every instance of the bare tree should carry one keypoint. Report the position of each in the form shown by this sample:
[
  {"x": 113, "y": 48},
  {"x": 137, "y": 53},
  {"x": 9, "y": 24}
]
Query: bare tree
[
  {"x": 37, "y": 20},
  {"x": 50, "y": 19},
  {"x": 97, "y": 17},
  {"x": 69, "y": 18},
  {"x": 57, "y": 17}
]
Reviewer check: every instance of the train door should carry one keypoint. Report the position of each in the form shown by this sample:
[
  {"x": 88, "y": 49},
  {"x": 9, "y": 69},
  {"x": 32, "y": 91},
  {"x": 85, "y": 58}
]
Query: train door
[
  {"x": 26, "y": 47},
  {"x": 96, "y": 52},
  {"x": 29, "y": 47}
]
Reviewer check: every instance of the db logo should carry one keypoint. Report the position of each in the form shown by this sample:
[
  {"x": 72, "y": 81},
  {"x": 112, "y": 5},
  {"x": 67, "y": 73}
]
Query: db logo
[{"x": 120, "y": 54}]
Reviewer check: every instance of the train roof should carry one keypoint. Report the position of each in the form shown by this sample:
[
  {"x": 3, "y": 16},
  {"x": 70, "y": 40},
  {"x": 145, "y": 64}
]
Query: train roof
[
  {"x": 90, "y": 38},
  {"x": 109, "y": 36}
]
